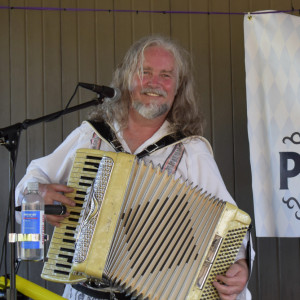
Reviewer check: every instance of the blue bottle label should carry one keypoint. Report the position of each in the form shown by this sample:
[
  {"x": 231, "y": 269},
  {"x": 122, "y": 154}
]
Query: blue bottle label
[{"x": 33, "y": 222}]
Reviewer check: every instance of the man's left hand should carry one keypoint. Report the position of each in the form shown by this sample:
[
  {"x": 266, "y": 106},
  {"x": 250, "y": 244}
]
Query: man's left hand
[{"x": 233, "y": 282}]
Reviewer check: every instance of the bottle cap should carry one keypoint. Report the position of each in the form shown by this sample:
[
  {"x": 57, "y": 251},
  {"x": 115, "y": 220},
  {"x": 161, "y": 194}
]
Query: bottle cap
[{"x": 32, "y": 186}]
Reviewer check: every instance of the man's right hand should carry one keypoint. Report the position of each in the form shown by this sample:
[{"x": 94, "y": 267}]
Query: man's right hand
[{"x": 54, "y": 192}]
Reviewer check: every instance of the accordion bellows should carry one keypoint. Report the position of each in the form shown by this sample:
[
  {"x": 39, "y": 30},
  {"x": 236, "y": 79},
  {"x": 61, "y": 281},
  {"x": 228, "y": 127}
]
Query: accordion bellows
[{"x": 138, "y": 229}]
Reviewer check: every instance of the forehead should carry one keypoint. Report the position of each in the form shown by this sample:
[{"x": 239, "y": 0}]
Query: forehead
[{"x": 158, "y": 57}]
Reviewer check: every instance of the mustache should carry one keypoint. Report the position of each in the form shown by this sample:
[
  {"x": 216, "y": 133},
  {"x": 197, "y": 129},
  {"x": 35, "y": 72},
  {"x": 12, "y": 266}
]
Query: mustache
[
  {"x": 151, "y": 111},
  {"x": 159, "y": 92}
]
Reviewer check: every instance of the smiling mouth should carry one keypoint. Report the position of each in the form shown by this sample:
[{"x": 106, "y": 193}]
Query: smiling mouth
[{"x": 153, "y": 94}]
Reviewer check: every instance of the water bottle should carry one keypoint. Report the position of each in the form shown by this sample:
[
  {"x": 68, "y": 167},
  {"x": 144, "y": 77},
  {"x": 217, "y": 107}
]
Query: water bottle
[{"x": 32, "y": 222}]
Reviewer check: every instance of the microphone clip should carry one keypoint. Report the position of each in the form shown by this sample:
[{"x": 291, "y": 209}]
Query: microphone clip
[{"x": 113, "y": 94}]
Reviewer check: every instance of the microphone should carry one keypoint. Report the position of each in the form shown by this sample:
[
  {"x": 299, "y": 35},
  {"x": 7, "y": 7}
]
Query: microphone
[
  {"x": 50, "y": 209},
  {"x": 55, "y": 209},
  {"x": 107, "y": 92}
]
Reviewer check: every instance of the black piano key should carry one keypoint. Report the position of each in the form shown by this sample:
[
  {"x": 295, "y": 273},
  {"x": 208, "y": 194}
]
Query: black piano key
[
  {"x": 75, "y": 213},
  {"x": 84, "y": 184},
  {"x": 81, "y": 193},
  {"x": 70, "y": 228},
  {"x": 68, "y": 257},
  {"x": 90, "y": 170},
  {"x": 86, "y": 178},
  {"x": 99, "y": 158},
  {"x": 68, "y": 241},
  {"x": 90, "y": 163},
  {"x": 67, "y": 250},
  {"x": 61, "y": 272},
  {"x": 73, "y": 219},
  {"x": 69, "y": 234},
  {"x": 63, "y": 266}
]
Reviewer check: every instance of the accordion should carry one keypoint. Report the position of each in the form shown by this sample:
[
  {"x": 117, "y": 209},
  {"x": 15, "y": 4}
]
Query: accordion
[{"x": 140, "y": 230}]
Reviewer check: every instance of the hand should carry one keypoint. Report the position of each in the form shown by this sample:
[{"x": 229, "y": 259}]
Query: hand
[
  {"x": 53, "y": 192},
  {"x": 234, "y": 280}
]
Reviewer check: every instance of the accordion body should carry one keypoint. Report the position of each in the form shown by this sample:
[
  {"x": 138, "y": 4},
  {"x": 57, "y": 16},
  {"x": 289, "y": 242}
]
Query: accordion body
[{"x": 137, "y": 229}]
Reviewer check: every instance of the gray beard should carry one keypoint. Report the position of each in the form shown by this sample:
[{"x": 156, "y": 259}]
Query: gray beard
[{"x": 150, "y": 111}]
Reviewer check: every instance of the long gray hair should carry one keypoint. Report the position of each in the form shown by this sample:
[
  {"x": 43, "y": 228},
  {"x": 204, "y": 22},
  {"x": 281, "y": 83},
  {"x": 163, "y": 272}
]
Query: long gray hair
[{"x": 184, "y": 115}]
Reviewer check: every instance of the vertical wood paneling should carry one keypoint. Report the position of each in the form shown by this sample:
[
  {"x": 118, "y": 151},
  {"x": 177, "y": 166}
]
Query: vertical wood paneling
[
  {"x": 34, "y": 78},
  {"x": 180, "y": 29},
  {"x": 18, "y": 89},
  {"x": 289, "y": 261},
  {"x": 123, "y": 28},
  {"x": 160, "y": 23},
  {"x": 105, "y": 43},
  {"x": 241, "y": 147},
  {"x": 295, "y": 4},
  {"x": 259, "y": 5},
  {"x": 87, "y": 51},
  {"x": 141, "y": 24},
  {"x": 69, "y": 63},
  {"x": 222, "y": 140},
  {"x": 45, "y": 54},
  {"x": 200, "y": 51},
  {"x": 18, "y": 79},
  {"x": 52, "y": 74},
  {"x": 34, "y": 96},
  {"x": 267, "y": 262},
  {"x": 5, "y": 66},
  {"x": 4, "y": 117}
]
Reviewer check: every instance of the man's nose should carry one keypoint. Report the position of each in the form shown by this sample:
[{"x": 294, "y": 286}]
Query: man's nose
[{"x": 154, "y": 81}]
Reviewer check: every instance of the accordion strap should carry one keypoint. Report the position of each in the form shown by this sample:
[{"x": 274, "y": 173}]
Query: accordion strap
[{"x": 107, "y": 133}]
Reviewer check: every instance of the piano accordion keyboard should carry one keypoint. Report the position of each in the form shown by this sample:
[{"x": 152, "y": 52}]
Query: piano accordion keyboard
[{"x": 61, "y": 250}]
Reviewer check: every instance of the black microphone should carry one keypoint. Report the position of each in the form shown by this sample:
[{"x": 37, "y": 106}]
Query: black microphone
[
  {"x": 50, "y": 209},
  {"x": 105, "y": 91},
  {"x": 55, "y": 209}
]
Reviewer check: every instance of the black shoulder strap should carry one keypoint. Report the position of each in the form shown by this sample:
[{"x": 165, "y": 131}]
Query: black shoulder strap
[
  {"x": 163, "y": 142},
  {"x": 106, "y": 132}
]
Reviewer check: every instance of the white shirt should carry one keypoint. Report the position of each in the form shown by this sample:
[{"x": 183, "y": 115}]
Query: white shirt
[{"x": 197, "y": 165}]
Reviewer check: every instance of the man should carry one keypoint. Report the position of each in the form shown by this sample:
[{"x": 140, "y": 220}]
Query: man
[{"x": 157, "y": 100}]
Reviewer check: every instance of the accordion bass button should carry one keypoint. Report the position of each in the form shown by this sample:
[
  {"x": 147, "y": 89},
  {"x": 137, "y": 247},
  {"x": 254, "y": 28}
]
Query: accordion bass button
[{"x": 96, "y": 282}]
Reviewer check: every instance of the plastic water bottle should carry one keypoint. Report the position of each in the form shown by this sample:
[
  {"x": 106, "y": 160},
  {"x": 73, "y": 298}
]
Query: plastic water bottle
[{"x": 32, "y": 222}]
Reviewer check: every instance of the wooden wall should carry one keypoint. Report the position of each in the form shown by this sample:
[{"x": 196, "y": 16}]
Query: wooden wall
[{"x": 45, "y": 53}]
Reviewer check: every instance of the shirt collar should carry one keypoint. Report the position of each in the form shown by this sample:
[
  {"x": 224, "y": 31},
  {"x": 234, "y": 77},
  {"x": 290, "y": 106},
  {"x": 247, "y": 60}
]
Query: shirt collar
[{"x": 161, "y": 132}]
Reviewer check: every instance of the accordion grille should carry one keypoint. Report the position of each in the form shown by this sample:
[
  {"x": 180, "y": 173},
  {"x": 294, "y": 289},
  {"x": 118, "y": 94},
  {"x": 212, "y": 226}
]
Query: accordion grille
[{"x": 228, "y": 252}]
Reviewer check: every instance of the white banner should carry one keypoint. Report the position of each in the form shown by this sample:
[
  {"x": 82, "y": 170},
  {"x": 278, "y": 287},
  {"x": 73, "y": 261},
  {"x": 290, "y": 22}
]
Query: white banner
[{"x": 272, "y": 56}]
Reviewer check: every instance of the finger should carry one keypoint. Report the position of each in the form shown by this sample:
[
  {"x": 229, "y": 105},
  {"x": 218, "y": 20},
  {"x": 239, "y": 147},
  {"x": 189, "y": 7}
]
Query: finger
[
  {"x": 230, "y": 285},
  {"x": 224, "y": 279},
  {"x": 54, "y": 196},
  {"x": 60, "y": 188},
  {"x": 53, "y": 192},
  {"x": 233, "y": 270},
  {"x": 56, "y": 187},
  {"x": 225, "y": 292},
  {"x": 56, "y": 220}
]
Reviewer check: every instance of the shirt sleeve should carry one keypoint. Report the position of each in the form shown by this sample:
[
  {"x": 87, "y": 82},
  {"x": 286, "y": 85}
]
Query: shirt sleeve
[
  {"x": 202, "y": 170},
  {"x": 55, "y": 167}
]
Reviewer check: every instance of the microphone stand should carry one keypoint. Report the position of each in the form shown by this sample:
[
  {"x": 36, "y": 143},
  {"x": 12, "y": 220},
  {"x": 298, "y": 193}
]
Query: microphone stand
[{"x": 10, "y": 137}]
